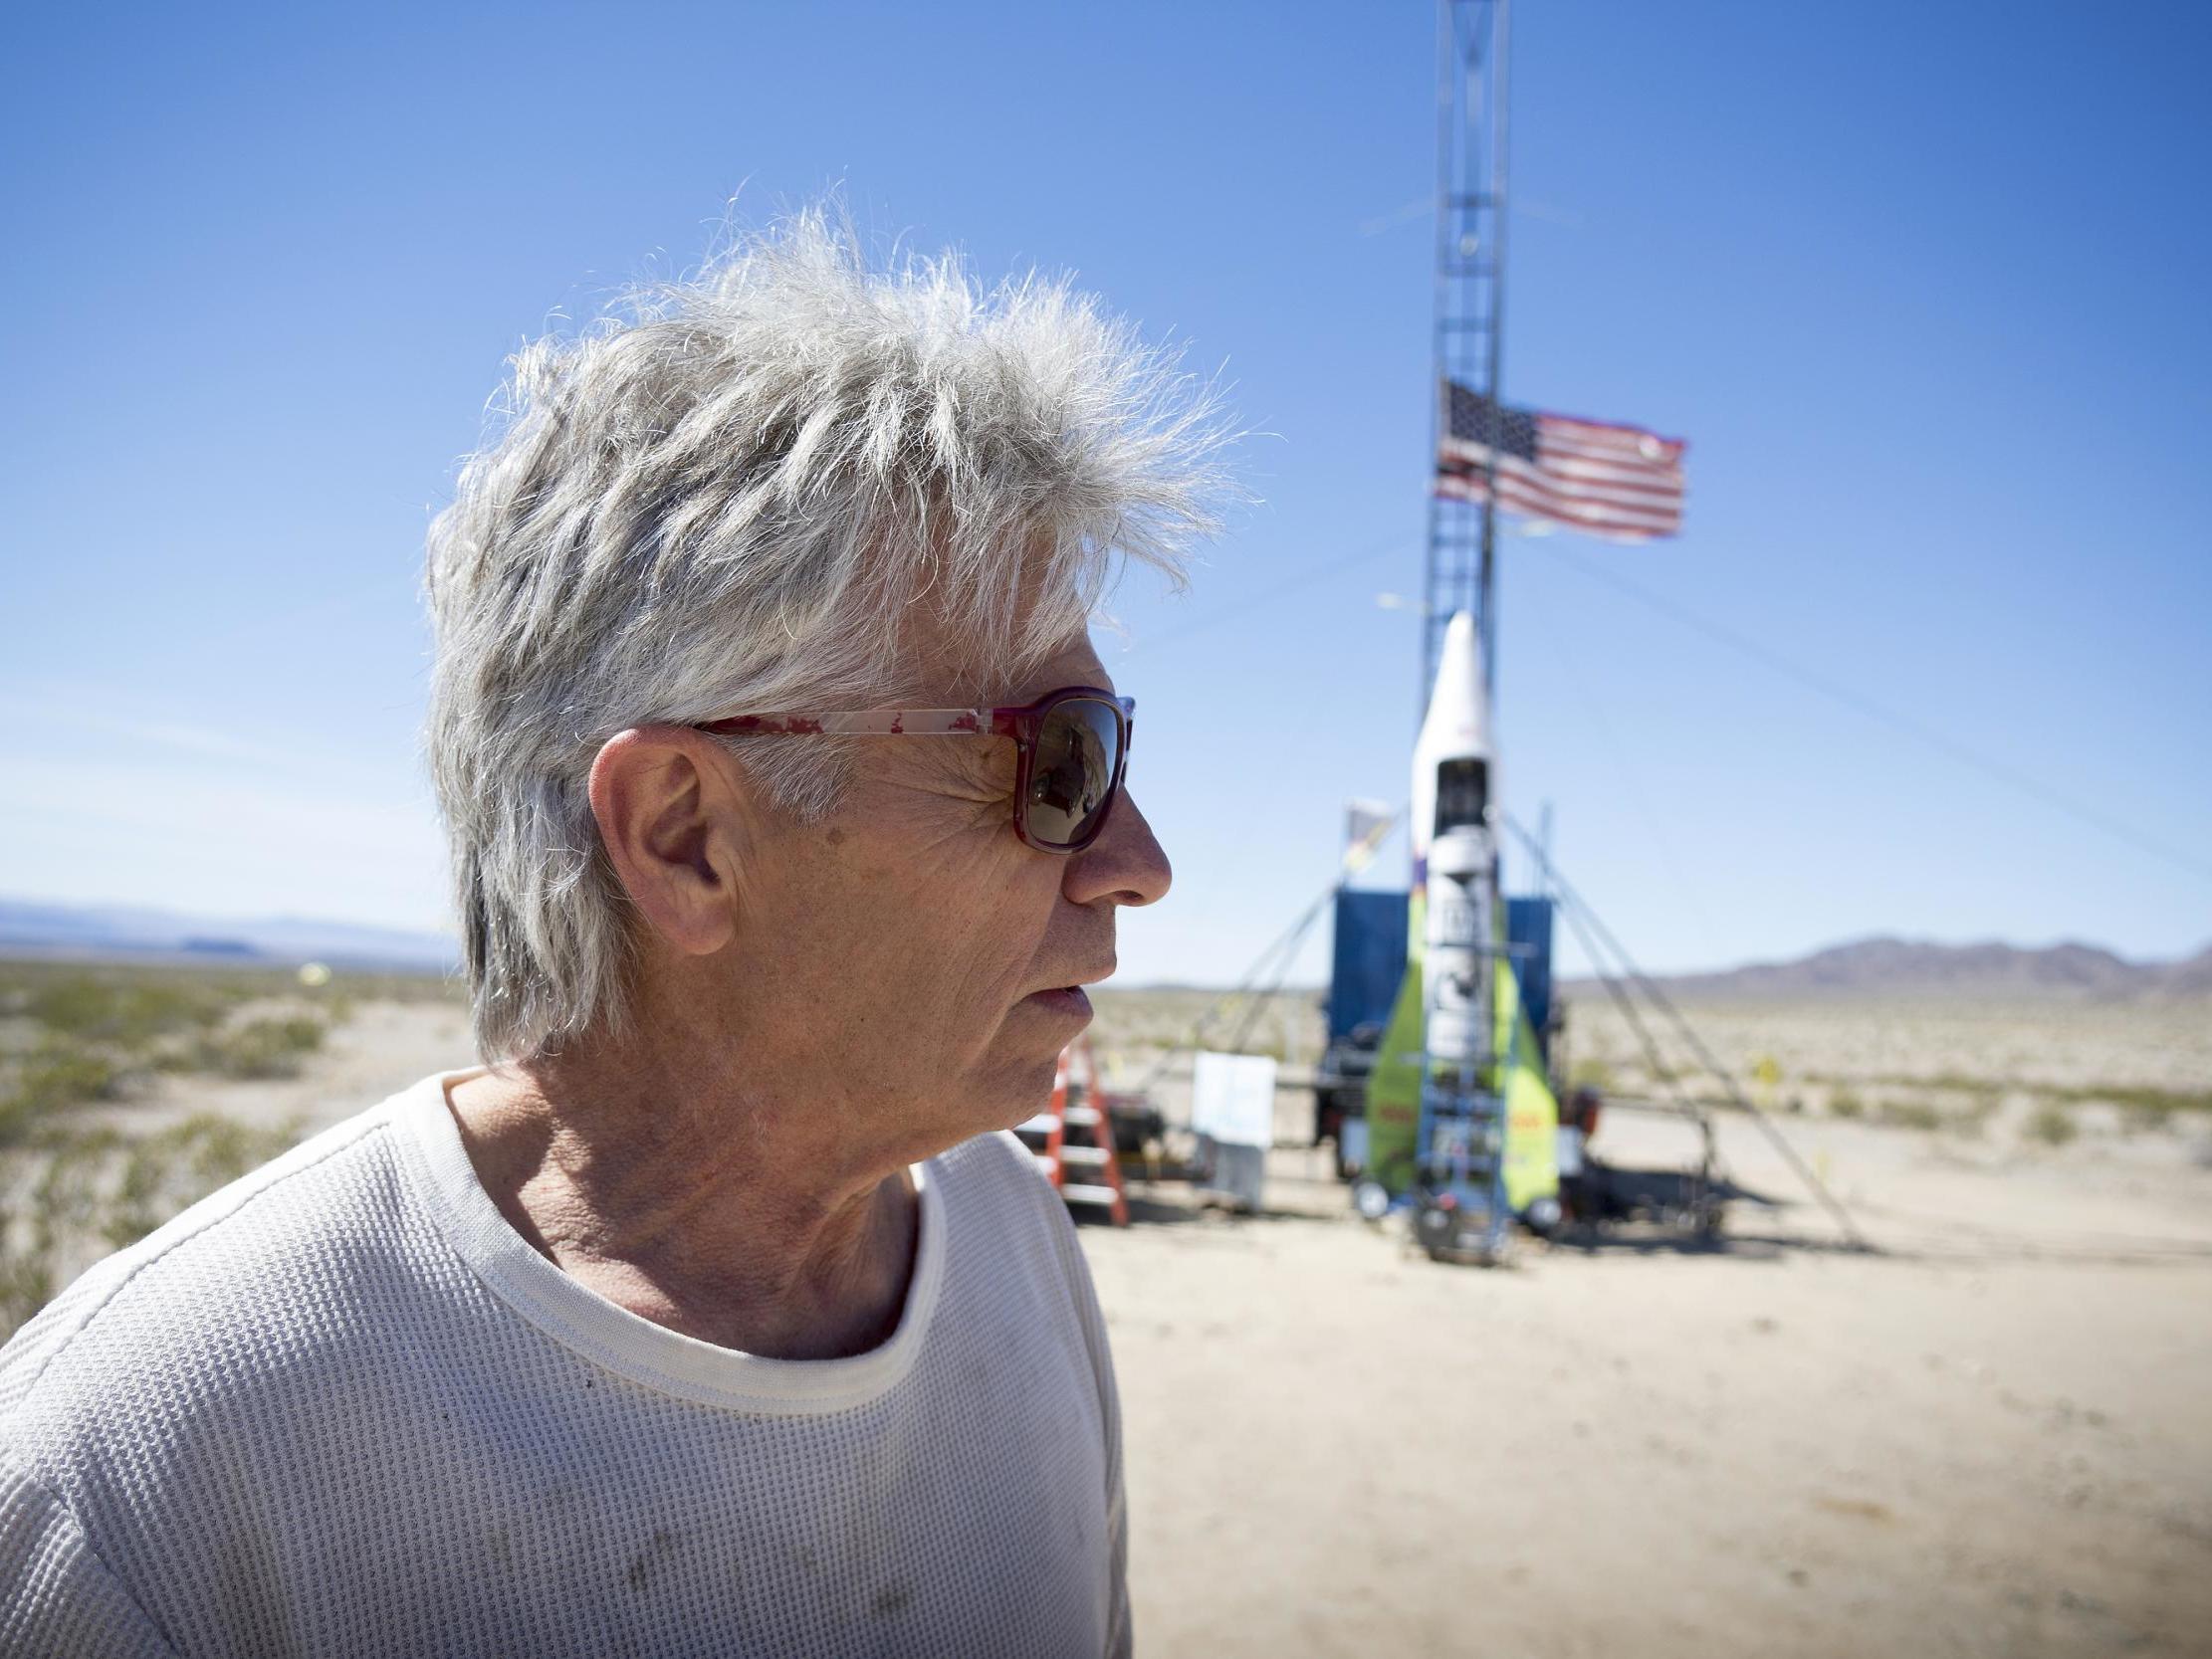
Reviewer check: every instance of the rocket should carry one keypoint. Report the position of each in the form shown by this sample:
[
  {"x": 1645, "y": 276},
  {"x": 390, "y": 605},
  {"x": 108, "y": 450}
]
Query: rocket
[
  {"x": 1454, "y": 848},
  {"x": 1460, "y": 1116}
]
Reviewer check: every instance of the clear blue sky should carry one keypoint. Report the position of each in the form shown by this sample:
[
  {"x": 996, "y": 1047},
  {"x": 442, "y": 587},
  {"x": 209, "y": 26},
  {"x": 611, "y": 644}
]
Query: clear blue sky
[{"x": 1925, "y": 288}]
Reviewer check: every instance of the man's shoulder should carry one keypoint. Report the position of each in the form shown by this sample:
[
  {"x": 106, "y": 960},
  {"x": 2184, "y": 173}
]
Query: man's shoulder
[
  {"x": 1029, "y": 1251},
  {"x": 996, "y": 1189},
  {"x": 217, "y": 1289}
]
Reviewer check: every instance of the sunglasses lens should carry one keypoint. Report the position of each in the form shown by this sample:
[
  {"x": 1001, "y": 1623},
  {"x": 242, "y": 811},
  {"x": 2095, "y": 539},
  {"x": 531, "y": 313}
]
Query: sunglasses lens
[{"x": 1071, "y": 776}]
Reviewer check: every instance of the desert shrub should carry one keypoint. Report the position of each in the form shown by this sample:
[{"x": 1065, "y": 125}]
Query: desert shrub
[
  {"x": 2052, "y": 1125},
  {"x": 1843, "y": 1104},
  {"x": 55, "y": 1073},
  {"x": 129, "y": 1012},
  {"x": 1911, "y": 1114},
  {"x": 97, "y": 1031},
  {"x": 1962, "y": 1084},
  {"x": 81, "y": 1006},
  {"x": 1975, "y": 1117},
  {"x": 177, "y": 1057},
  {"x": 64, "y": 1203},
  {"x": 72, "y": 1195},
  {"x": 262, "y": 1048},
  {"x": 2146, "y": 1106},
  {"x": 26, "y": 1286}
]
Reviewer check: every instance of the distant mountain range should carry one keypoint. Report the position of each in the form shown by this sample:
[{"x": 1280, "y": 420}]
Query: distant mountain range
[
  {"x": 1886, "y": 967},
  {"x": 111, "y": 933},
  {"x": 1867, "y": 968}
]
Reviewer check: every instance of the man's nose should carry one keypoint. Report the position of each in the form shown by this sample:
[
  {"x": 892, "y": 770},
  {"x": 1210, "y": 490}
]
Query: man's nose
[{"x": 1125, "y": 865}]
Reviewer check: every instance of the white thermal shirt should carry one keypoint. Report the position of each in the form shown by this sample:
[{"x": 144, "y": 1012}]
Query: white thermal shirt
[{"x": 341, "y": 1407}]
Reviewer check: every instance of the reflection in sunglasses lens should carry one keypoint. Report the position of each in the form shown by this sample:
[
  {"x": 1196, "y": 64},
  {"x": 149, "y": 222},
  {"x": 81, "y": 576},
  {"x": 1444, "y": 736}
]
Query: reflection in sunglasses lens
[{"x": 1072, "y": 770}]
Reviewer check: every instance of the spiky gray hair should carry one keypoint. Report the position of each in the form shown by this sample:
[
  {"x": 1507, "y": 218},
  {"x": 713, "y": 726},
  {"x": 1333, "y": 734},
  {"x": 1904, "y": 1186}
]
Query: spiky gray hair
[{"x": 723, "y": 496}]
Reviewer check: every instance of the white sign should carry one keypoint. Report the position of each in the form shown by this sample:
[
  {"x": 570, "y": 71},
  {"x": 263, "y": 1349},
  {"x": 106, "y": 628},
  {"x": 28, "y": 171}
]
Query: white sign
[{"x": 1232, "y": 1098}]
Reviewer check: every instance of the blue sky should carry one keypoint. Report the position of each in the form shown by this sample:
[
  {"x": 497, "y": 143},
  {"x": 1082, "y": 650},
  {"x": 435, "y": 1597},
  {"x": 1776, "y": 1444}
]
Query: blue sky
[{"x": 1922, "y": 286}]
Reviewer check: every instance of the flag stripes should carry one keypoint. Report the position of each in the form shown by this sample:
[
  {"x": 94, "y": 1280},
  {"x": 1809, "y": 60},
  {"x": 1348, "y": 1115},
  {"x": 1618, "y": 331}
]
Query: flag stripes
[{"x": 1618, "y": 482}]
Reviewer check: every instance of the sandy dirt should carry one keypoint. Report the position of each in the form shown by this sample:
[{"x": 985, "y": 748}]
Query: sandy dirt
[
  {"x": 2067, "y": 1044},
  {"x": 381, "y": 1049},
  {"x": 1994, "y": 1436}
]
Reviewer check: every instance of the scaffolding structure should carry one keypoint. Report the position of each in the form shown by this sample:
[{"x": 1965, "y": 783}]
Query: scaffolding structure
[{"x": 1472, "y": 38}]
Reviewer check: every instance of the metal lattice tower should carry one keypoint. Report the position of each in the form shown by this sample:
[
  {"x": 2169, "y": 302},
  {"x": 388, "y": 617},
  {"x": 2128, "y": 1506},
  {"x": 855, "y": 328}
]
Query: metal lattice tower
[{"x": 1471, "y": 54}]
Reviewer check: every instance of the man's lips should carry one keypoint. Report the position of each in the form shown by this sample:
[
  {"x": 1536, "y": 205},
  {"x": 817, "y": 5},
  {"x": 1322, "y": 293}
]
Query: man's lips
[
  {"x": 1062, "y": 999},
  {"x": 1070, "y": 997},
  {"x": 1079, "y": 980}
]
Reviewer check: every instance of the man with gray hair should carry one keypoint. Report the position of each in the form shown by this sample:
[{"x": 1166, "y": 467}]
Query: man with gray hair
[{"x": 718, "y": 1312}]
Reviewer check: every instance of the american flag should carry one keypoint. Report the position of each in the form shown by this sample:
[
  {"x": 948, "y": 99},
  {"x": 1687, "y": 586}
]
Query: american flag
[{"x": 1619, "y": 481}]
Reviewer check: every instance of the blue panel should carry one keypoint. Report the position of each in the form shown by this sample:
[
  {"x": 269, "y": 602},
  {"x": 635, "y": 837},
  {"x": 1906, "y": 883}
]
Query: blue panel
[{"x": 1370, "y": 957}]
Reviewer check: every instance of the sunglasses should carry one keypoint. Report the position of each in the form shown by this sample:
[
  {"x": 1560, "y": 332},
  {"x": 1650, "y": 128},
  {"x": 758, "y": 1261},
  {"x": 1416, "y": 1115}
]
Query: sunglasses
[{"x": 1070, "y": 749}]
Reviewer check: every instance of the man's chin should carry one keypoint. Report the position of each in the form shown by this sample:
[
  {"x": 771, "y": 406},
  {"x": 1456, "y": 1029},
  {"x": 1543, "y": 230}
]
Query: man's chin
[{"x": 1018, "y": 1092}]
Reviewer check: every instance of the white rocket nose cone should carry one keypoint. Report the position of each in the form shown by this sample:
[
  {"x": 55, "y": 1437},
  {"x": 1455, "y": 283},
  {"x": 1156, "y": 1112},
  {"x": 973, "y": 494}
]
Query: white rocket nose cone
[{"x": 1457, "y": 727}]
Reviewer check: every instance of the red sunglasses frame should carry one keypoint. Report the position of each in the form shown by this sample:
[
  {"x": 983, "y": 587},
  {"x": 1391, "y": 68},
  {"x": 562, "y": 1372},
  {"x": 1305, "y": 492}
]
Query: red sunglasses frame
[{"x": 1023, "y": 724}]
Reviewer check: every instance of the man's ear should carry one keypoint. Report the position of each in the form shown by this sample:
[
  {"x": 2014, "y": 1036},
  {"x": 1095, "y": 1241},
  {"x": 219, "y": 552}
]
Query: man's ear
[{"x": 670, "y": 813}]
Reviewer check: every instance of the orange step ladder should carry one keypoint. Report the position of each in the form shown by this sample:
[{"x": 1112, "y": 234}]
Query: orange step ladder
[{"x": 1072, "y": 1141}]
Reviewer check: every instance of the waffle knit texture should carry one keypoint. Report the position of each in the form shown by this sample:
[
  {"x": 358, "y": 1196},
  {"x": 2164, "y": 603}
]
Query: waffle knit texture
[{"x": 341, "y": 1407}]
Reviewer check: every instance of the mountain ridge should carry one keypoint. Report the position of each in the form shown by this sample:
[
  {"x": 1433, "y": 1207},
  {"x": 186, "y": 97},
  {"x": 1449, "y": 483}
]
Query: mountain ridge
[
  {"x": 143, "y": 932},
  {"x": 1887, "y": 965}
]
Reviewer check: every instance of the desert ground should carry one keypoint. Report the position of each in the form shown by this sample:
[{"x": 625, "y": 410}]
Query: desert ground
[{"x": 1991, "y": 1433}]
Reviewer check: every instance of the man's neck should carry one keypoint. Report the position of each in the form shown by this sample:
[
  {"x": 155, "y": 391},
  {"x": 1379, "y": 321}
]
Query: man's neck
[{"x": 730, "y": 1220}]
